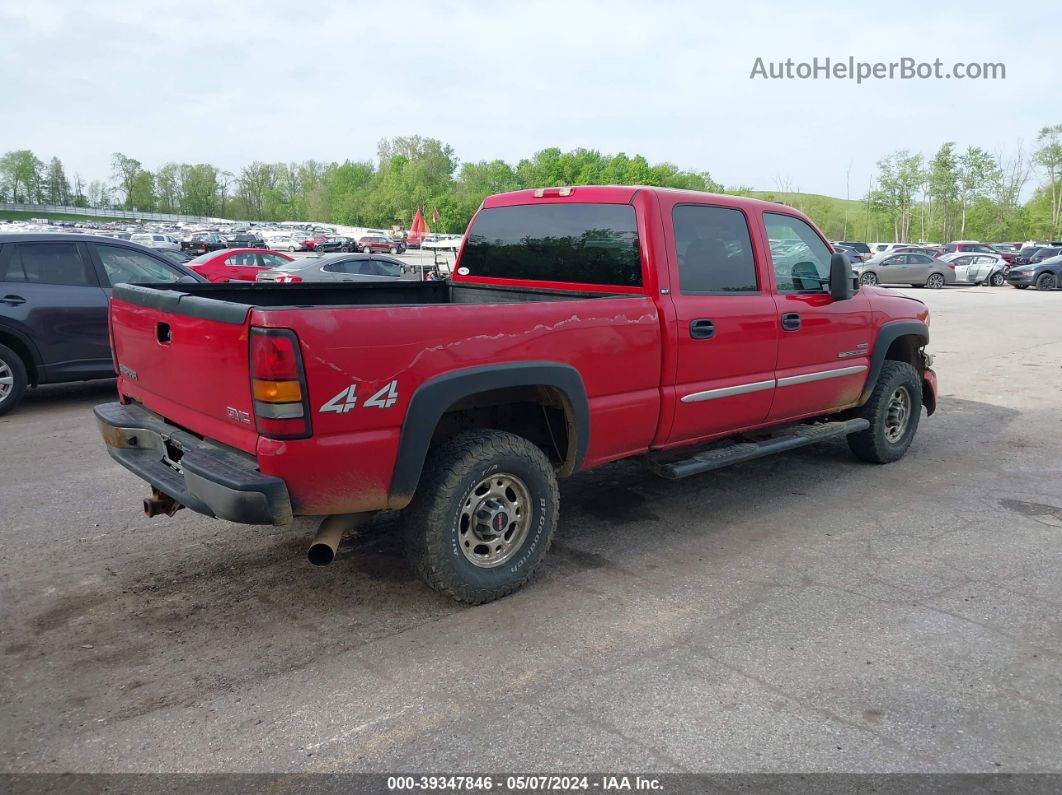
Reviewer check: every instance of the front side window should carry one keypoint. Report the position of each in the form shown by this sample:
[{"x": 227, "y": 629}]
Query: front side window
[
  {"x": 714, "y": 250},
  {"x": 48, "y": 263},
  {"x": 562, "y": 242},
  {"x": 125, "y": 266},
  {"x": 385, "y": 268},
  {"x": 801, "y": 260}
]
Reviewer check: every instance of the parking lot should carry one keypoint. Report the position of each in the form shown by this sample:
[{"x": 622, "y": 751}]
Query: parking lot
[{"x": 799, "y": 612}]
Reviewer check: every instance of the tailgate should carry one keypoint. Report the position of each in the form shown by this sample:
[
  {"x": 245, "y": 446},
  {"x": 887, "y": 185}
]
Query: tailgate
[{"x": 186, "y": 358}]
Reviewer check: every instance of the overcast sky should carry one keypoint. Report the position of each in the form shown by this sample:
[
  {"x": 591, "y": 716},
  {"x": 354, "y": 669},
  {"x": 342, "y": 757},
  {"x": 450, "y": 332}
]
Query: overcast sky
[{"x": 231, "y": 82}]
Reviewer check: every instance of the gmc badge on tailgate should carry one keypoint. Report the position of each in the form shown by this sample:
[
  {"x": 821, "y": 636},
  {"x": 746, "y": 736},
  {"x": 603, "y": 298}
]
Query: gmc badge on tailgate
[{"x": 238, "y": 415}]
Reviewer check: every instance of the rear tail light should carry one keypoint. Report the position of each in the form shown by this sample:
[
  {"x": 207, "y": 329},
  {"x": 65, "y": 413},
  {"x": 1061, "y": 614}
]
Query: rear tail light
[
  {"x": 951, "y": 265},
  {"x": 278, "y": 384},
  {"x": 285, "y": 277}
]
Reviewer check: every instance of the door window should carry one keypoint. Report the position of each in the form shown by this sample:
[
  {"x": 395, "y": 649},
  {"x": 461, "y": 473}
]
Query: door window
[
  {"x": 800, "y": 258},
  {"x": 918, "y": 259},
  {"x": 243, "y": 259},
  {"x": 125, "y": 266},
  {"x": 48, "y": 263},
  {"x": 272, "y": 260},
  {"x": 714, "y": 250}
]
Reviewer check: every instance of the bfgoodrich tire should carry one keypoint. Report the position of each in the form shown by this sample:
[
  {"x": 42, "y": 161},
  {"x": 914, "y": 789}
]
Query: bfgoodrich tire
[
  {"x": 13, "y": 379},
  {"x": 893, "y": 411},
  {"x": 483, "y": 516}
]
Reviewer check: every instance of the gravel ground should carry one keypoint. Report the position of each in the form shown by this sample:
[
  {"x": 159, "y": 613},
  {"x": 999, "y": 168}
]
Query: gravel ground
[{"x": 803, "y": 612}]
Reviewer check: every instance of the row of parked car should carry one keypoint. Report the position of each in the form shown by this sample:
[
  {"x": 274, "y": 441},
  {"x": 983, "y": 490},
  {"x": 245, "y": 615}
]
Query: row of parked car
[
  {"x": 55, "y": 288},
  {"x": 960, "y": 262}
]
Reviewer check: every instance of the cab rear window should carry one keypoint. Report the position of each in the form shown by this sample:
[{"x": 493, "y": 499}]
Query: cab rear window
[{"x": 580, "y": 243}]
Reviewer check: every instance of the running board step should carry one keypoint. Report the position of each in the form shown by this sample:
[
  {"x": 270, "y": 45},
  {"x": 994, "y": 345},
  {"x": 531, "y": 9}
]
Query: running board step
[{"x": 746, "y": 451}]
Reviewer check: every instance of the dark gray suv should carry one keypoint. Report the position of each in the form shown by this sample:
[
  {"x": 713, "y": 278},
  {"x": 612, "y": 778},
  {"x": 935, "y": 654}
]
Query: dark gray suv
[{"x": 54, "y": 290}]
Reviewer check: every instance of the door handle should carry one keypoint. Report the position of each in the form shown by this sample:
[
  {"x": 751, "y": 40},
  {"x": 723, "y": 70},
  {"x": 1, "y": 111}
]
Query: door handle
[
  {"x": 702, "y": 329},
  {"x": 14, "y": 300},
  {"x": 790, "y": 321}
]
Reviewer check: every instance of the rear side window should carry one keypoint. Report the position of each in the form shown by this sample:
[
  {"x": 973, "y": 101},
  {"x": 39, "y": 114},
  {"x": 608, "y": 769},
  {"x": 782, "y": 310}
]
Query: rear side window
[
  {"x": 126, "y": 266},
  {"x": 714, "y": 250},
  {"x": 581, "y": 243},
  {"x": 48, "y": 263}
]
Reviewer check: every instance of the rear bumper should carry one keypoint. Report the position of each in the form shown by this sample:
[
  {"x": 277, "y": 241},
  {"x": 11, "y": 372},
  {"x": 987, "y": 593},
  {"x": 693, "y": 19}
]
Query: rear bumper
[{"x": 206, "y": 477}]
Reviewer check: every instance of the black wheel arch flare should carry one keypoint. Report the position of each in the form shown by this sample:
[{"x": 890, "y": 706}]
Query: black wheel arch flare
[
  {"x": 432, "y": 398},
  {"x": 887, "y": 335}
]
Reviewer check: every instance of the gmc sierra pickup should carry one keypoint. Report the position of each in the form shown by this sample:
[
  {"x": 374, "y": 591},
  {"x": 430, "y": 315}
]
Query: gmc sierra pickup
[{"x": 582, "y": 325}]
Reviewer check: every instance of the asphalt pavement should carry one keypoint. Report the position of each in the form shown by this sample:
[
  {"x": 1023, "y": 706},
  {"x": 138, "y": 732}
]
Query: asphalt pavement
[{"x": 803, "y": 612}]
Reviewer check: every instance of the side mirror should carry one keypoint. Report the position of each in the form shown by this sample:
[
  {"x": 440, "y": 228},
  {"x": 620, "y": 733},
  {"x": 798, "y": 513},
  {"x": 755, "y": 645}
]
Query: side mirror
[{"x": 842, "y": 280}]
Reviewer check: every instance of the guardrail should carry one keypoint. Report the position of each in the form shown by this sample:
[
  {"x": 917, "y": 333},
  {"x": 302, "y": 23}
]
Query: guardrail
[{"x": 130, "y": 215}]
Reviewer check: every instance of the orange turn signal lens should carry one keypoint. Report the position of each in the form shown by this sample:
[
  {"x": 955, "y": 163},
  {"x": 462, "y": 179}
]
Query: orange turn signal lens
[{"x": 276, "y": 391}]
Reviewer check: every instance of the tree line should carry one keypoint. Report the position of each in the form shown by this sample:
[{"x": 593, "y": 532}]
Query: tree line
[{"x": 949, "y": 195}]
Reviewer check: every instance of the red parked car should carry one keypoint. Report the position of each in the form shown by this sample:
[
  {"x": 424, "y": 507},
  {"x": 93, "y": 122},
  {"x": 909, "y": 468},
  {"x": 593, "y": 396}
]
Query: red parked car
[
  {"x": 978, "y": 248},
  {"x": 236, "y": 264},
  {"x": 383, "y": 245},
  {"x": 582, "y": 325}
]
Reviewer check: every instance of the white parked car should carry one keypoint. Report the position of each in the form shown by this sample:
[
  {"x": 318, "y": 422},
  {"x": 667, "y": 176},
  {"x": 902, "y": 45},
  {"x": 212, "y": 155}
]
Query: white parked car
[
  {"x": 977, "y": 268},
  {"x": 445, "y": 243},
  {"x": 286, "y": 243},
  {"x": 164, "y": 242},
  {"x": 885, "y": 248}
]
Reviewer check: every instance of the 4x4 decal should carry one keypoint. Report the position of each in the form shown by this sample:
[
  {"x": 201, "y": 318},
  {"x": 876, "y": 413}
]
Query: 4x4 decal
[{"x": 347, "y": 400}]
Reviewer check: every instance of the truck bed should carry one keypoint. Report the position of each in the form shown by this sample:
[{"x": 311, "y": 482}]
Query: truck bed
[
  {"x": 230, "y": 302},
  {"x": 182, "y": 351}
]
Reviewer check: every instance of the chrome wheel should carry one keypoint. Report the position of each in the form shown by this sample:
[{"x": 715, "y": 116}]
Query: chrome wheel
[
  {"x": 495, "y": 519},
  {"x": 897, "y": 414},
  {"x": 868, "y": 279},
  {"x": 7, "y": 381},
  {"x": 935, "y": 281}
]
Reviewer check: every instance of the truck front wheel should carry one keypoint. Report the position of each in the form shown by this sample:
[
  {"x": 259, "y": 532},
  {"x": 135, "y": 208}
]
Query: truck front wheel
[
  {"x": 893, "y": 411},
  {"x": 483, "y": 515}
]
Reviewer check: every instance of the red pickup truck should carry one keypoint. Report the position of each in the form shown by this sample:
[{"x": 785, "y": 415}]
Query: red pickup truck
[{"x": 581, "y": 326}]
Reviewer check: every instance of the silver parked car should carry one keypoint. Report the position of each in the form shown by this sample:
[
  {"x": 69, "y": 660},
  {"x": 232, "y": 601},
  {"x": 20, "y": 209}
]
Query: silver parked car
[
  {"x": 335, "y": 268},
  {"x": 977, "y": 268},
  {"x": 910, "y": 268}
]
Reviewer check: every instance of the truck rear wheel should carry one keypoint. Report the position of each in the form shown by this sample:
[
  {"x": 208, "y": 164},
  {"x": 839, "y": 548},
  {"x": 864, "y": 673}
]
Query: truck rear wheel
[
  {"x": 893, "y": 411},
  {"x": 13, "y": 379},
  {"x": 483, "y": 515}
]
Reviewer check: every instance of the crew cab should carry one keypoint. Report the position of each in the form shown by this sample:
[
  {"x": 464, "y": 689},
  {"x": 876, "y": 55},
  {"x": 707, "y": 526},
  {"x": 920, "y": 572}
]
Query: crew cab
[{"x": 581, "y": 325}]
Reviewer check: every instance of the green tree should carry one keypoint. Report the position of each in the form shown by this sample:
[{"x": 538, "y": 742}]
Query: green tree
[
  {"x": 125, "y": 172},
  {"x": 199, "y": 189},
  {"x": 1049, "y": 157},
  {"x": 56, "y": 185},
  {"x": 20, "y": 176},
  {"x": 943, "y": 191},
  {"x": 975, "y": 174}
]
